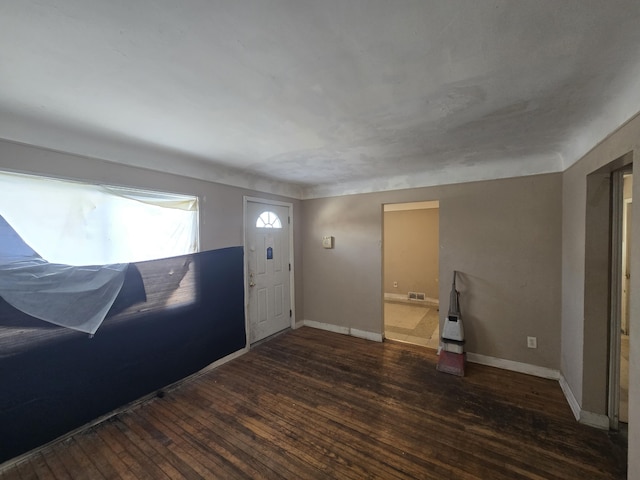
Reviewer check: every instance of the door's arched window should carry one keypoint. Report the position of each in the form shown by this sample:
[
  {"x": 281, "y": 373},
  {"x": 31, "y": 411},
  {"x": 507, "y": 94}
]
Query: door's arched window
[{"x": 268, "y": 220}]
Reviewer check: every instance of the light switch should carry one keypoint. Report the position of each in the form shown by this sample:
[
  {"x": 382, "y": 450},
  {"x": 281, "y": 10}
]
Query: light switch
[{"x": 327, "y": 241}]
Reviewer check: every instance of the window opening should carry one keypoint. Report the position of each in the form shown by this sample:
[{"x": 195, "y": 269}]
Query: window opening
[
  {"x": 268, "y": 220},
  {"x": 78, "y": 223}
]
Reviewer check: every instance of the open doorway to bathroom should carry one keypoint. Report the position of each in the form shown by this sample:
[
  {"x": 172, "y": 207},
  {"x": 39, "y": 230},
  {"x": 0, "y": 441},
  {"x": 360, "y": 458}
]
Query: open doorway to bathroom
[{"x": 410, "y": 272}]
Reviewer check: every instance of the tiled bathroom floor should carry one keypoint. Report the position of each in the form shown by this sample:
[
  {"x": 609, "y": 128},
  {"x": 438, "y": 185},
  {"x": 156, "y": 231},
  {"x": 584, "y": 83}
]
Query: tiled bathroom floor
[{"x": 412, "y": 323}]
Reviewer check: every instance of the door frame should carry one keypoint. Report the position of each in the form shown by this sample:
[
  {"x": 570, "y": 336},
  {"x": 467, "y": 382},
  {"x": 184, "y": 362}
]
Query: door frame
[
  {"x": 404, "y": 206},
  {"x": 246, "y": 199},
  {"x": 615, "y": 284}
]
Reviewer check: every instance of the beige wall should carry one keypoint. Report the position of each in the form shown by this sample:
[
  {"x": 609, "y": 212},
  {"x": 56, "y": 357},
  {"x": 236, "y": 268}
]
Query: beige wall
[
  {"x": 584, "y": 356},
  {"x": 221, "y": 207},
  {"x": 504, "y": 236},
  {"x": 411, "y": 252}
]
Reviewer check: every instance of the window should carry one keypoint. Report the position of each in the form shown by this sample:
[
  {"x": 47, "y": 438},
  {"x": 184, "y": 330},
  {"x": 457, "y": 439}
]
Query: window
[
  {"x": 268, "y": 220},
  {"x": 82, "y": 224}
]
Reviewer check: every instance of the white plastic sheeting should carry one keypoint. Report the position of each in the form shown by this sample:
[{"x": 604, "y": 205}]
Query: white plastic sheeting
[
  {"x": 70, "y": 296},
  {"x": 75, "y": 223},
  {"x": 65, "y": 246},
  {"x": 73, "y": 297}
]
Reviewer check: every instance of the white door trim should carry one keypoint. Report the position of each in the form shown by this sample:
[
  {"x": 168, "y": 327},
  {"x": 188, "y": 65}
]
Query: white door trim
[
  {"x": 615, "y": 285},
  {"x": 292, "y": 296}
]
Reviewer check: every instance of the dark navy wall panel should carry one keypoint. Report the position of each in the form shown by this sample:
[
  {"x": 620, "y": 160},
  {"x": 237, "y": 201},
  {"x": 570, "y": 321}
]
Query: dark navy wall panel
[{"x": 52, "y": 386}]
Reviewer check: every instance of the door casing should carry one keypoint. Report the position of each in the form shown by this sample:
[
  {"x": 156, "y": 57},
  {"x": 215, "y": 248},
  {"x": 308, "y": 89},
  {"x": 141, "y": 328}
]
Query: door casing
[
  {"x": 266, "y": 202},
  {"x": 615, "y": 282}
]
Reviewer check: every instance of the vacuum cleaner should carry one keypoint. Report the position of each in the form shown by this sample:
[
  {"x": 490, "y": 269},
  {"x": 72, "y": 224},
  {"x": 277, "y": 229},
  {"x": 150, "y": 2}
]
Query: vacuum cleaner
[
  {"x": 453, "y": 329},
  {"x": 452, "y": 357}
]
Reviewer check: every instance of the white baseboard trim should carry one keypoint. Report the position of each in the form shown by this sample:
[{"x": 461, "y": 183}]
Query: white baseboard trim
[
  {"x": 571, "y": 398},
  {"x": 375, "y": 337},
  {"x": 354, "y": 332},
  {"x": 326, "y": 326},
  {"x": 395, "y": 296},
  {"x": 298, "y": 324},
  {"x": 596, "y": 420},
  {"x": 513, "y": 366},
  {"x": 399, "y": 297}
]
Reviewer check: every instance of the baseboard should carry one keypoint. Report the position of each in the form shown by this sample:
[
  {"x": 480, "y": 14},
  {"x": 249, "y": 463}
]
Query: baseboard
[
  {"x": 326, "y": 326},
  {"x": 514, "y": 366},
  {"x": 596, "y": 420},
  {"x": 395, "y": 297},
  {"x": 591, "y": 419},
  {"x": 375, "y": 337},
  {"x": 571, "y": 398},
  {"x": 298, "y": 324},
  {"x": 354, "y": 332},
  {"x": 9, "y": 463},
  {"x": 399, "y": 297}
]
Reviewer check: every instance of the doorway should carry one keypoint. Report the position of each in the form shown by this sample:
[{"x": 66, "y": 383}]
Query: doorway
[
  {"x": 410, "y": 272},
  {"x": 622, "y": 204},
  {"x": 268, "y": 268}
]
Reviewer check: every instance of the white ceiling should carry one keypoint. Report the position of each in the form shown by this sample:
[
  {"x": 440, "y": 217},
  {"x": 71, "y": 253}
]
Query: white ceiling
[{"x": 313, "y": 98}]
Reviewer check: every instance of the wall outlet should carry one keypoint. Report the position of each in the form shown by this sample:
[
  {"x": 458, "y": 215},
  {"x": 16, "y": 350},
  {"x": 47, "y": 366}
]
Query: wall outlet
[
  {"x": 532, "y": 342},
  {"x": 395, "y": 284}
]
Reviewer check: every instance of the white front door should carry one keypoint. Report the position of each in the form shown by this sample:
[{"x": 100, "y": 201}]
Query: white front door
[{"x": 268, "y": 269}]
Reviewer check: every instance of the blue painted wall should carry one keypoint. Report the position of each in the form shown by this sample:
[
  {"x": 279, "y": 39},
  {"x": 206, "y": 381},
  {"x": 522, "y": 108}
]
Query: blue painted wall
[{"x": 48, "y": 388}]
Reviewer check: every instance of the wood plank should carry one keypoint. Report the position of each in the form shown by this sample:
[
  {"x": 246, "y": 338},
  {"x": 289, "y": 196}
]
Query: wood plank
[
  {"x": 313, "y": 404},
  {"x": 25, "y": 471},
  {"x": 109, "y": 464},
  {"x": 448, "y": 447},
  {"x": 136, "y": 462},
  {"x": 85, "y": 464},
  {"x": 264, "y": 430},
  {"x": 161, "y": 464},
  {"x": 40, "y": 467},
  {"x": 364, "y": 427},
  {"x": 194, "y": 444},
  {"x": 160, "y": 449},
  {"x": 188, "y": 461},
  {"x": 66, "y": 457},
  {"x": 55, "y": 465},
  {"x": 256, "y": 464}
]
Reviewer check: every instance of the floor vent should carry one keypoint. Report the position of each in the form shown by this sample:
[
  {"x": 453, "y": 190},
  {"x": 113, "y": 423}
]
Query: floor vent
[{"x": 416, "y": 296}]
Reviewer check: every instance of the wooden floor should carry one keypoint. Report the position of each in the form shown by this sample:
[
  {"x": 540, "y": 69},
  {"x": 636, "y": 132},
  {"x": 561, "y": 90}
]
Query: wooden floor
[{"x": 319, "y": 405}]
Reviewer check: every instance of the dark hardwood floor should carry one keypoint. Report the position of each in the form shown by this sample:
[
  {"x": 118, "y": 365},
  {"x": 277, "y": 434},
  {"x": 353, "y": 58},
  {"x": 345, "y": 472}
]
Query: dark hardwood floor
[{"x": 319, "y": 405}]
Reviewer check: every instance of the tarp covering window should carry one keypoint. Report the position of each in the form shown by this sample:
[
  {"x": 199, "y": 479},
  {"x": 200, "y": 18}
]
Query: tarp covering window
[
  {"x": 76, "y": 297},
  {"x": 65, "y": 246},
  {"x": 82, "y": 224}
]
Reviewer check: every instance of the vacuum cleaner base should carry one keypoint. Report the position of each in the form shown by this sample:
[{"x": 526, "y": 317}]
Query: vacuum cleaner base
[{"x": 452, "y": 363}]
